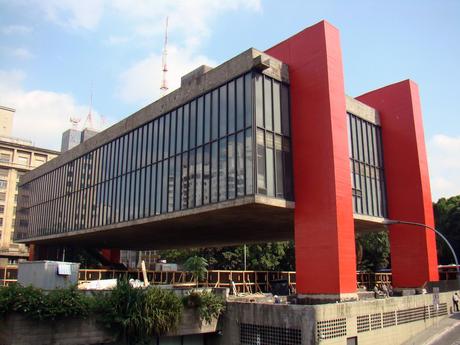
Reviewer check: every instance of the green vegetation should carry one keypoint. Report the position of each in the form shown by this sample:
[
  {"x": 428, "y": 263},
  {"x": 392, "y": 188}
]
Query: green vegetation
[
  {"x": 372, "y": 251},
  {"x": 137, "y": 315},
  {"x": 40, "y": 306},
  {"x": 197, "y": 266},
  {"x": 209, "y": 305},
  {"x": 272, "y": 256},
  {"x": 447, "y": 219}
]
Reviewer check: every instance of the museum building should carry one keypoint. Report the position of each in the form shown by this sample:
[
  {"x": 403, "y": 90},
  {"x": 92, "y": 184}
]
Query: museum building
[{"x": 266, "y": 146}]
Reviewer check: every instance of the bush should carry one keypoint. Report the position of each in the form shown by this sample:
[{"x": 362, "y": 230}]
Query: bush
[
  {"x": 139, "y": 314},
  {"x": 209, "y": 305},
  {"x": 36, "y": 304}
]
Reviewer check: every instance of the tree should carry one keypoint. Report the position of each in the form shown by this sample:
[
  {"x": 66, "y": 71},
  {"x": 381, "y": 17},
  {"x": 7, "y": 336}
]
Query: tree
[
  {"x": 372, "y": 251},
  {"x": 447, "y": 220},
  {"x": 197, "y": 266}
]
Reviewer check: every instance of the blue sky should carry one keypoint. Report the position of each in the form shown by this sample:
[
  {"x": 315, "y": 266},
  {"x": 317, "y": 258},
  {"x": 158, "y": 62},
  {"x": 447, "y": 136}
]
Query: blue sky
[{"x": 52, "y": 51}]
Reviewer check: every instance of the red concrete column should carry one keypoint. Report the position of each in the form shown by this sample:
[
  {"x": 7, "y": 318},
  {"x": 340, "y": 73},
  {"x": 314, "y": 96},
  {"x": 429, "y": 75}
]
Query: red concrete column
[
  {"x": 413, "y": 250},
  {"x": 112, "y": 255},
  {"x": 32, "y": 253},
  {"x": 324, "y": 229}
]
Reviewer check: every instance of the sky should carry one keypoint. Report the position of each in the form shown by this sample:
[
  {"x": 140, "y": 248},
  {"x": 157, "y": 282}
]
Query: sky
[{"x": 55, "y": 53}]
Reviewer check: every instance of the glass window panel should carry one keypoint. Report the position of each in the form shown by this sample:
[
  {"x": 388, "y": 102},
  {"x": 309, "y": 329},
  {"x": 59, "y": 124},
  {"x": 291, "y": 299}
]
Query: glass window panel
[
  {"x": 276, "y": 107},
  {"x": 166, "y": 137},
  {"x": 259, "y": 100},
  {"x": 240, "y": 164},
  {"x": 135, "y": 149},
  {"x": 164, "y": 202},
  {"x": 206, "y": 173},
  {"x": 171, "y": 185},
  {"x": 223, "y": 110},
  {"x": 179, "y": 131},
  {"x": 184, "y": 183},
  {"x": 214, "y": 171},
  {"x": 231, "y": 181},
  {"x": 198, "y": 177},
  {"x": 133, "y": 197},
  {"x": 231, "y": 107},
  {"x": 279, "y": 166},
  {"x": 240, "y": 103},
  {"x": 155, "y": 141},
  {"x": 160, "y": 138},
  {"x": 199, "y": 122},
  {"x": 130, "y": 152},
  {"x": 261, "y": 182},
  {"x": 159, "y": 178},
  {"x": 141, "y": 196},
  {"x": 192, "y": 124},
  {"x": 149, "y": 142},
  {"x": 223, "y": 169},
  {"x": 268, "y": 103},
  {"x": 148, "y": 190},
  {"x": 215, "y": 115},
  {"x": 191, "y": 179},
  {"x": 144, "y": 145},
  {"x": 249, "y": 162},
  {"x": 153, "y": 190},
  {"x": 285, "y": 117},
  {"x": 177, "y": 187},
  {"x": 207, "y": 118},
  {"x": 186, "y": 128},
  {"x": 270, "y": 164},
  {"x": 172, "y": 135}
]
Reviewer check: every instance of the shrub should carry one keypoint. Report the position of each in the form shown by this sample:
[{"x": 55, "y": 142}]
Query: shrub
[
  {"x": 139, "y": 314},
  {"x": 36, "y": 304},
  {"x": 209, "y": 305}
]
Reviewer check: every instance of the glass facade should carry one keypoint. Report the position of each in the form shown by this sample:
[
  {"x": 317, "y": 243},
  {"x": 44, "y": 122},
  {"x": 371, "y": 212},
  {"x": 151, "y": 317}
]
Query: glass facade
[
  {"x": 206, "y": 151},
  {"x": 366, "y": 165}
]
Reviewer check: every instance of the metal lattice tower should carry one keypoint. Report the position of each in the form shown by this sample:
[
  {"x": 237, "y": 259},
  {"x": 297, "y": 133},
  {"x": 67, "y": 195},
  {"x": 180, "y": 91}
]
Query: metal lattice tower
[{"x": 164, "y": 85}]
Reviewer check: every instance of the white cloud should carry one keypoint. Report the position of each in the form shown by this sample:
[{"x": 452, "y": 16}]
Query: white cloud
[
  {"x": 20, "y": 53},
  {"x": 15, "y": 29},
  {"x": 141, "y": 82},
  {"x": 77, "y": 14},
  {"x": 41, "y": 116},
  {"x": 444, "y": 162}
]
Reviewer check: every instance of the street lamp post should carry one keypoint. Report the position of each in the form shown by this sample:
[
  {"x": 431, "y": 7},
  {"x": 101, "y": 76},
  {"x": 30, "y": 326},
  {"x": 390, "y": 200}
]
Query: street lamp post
[{"x": 392, "y": 222}]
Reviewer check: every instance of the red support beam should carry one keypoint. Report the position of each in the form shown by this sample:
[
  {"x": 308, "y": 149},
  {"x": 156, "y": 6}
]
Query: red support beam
[
  {"x": 324, "y": 229},
  {"x": 413, "y": 250}
]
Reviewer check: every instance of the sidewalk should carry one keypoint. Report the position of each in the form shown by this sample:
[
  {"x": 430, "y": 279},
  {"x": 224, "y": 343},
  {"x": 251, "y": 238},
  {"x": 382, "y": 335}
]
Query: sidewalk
[{"x": 434, "y": 333}]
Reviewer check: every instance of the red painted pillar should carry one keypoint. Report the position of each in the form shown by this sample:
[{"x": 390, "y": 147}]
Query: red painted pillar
[
  {"x": 413, "y": 249},
  {"x": 323, "y": 219},
  {"x": 112, "y": 255}
]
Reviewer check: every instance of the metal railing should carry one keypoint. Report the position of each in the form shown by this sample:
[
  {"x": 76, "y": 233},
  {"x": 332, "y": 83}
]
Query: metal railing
[{"x": 244, "y": 281}]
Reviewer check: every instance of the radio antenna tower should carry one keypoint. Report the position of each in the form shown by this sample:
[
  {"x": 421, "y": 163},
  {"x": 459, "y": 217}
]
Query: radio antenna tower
[
  {"x": 89, "y": 118},
  {"x": 164, "y": 84}
]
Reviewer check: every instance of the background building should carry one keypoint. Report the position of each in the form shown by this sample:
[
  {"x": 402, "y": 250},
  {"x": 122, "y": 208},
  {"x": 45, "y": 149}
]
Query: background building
[{"x": 17, "y": 156}]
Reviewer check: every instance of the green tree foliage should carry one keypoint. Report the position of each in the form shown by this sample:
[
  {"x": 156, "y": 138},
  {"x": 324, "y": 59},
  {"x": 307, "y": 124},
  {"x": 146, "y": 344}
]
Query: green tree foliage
[
  {"x": 372, "y": 251},
  {"x": 276, "y": 256},
  {"x": 447, "y": 220},
  {"x": 197, "y": 266}
]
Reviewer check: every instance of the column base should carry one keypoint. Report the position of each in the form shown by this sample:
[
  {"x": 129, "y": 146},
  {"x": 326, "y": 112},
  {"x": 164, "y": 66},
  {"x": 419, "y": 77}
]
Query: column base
[{"x": 323, "y": 298}]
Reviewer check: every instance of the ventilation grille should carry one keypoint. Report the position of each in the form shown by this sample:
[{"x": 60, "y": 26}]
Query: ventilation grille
[
  {"x": 331, "y": 328},
  {"x": 365, "y": 323},
  {"x": 266, "y": 335}
]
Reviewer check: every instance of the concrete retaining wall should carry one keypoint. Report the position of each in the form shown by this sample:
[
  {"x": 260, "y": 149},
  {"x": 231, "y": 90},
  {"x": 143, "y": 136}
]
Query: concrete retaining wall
[{"x": 387, "y": 321}]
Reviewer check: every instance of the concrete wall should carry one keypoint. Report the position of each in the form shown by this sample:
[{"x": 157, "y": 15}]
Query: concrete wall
[{"x": 387, "y": 321}]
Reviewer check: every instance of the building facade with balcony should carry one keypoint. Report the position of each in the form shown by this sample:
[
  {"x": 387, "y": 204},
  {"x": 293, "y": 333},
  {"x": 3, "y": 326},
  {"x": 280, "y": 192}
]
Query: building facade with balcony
[
  {"x": 17, "y": 156},
  {"x": 264, "y": 147}
]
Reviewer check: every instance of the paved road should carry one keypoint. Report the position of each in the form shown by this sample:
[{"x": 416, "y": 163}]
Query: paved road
[{"x": 450, "y": 337}]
